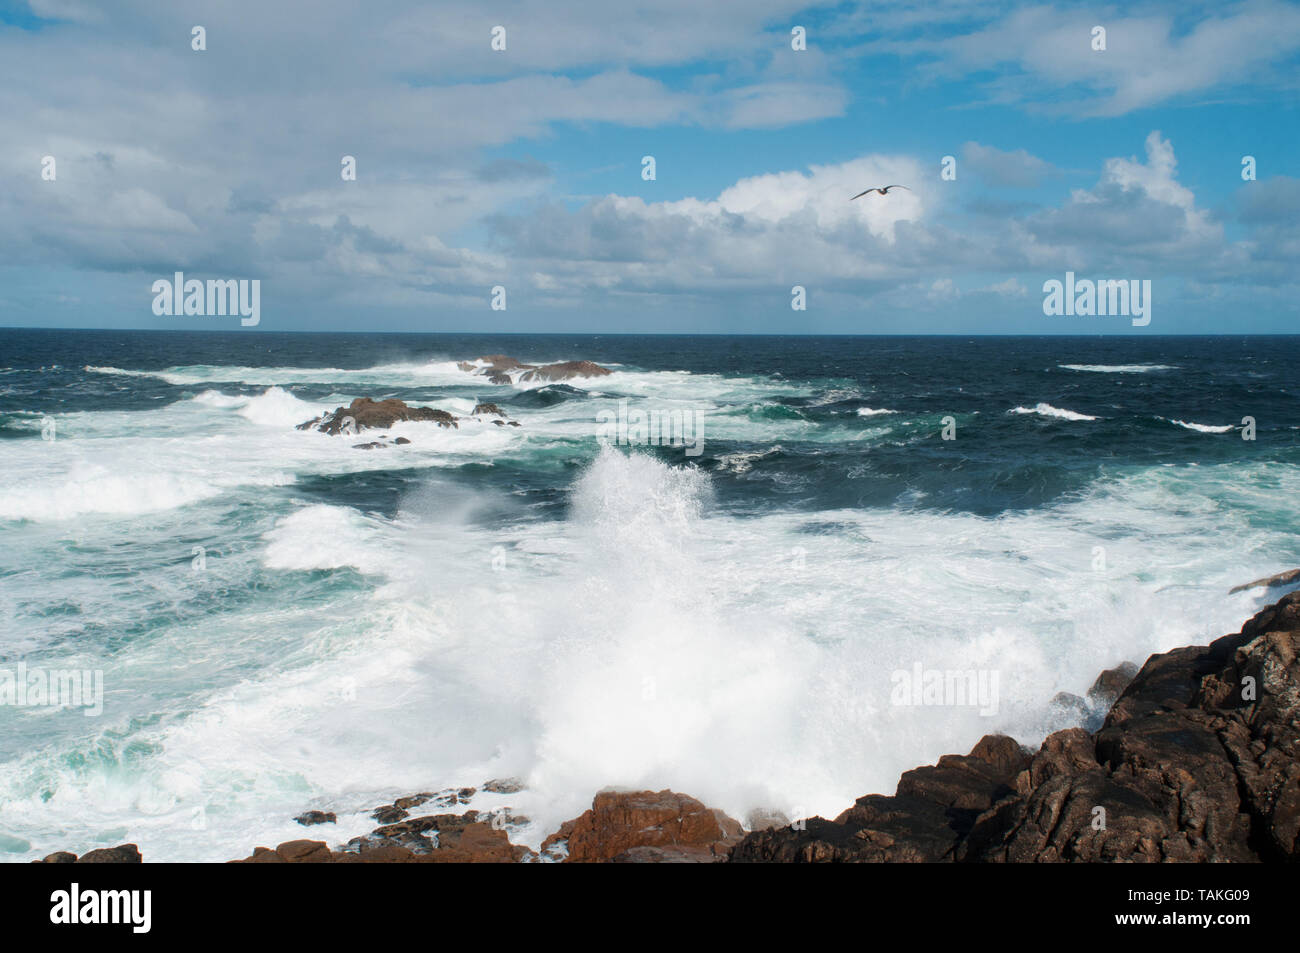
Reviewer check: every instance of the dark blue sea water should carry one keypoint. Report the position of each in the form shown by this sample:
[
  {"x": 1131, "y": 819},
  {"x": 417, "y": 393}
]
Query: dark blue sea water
[
  {"x": 1143, "y": 408},
  {"x": 284, "y": 621}
]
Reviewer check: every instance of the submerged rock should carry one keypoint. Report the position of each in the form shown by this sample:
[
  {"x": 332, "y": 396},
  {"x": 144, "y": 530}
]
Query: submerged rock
[{"x": 310, "y": 818}]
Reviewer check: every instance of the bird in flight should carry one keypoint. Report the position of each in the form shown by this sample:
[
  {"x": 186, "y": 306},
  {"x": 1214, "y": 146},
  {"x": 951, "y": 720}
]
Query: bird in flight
[{"x": 880, "y": 191}]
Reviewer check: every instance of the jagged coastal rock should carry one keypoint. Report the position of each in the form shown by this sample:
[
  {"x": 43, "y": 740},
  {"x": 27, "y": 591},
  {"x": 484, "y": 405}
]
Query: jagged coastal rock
[
  {"x": 497, "y": 368},
  {"x": 365, "y": 413}
]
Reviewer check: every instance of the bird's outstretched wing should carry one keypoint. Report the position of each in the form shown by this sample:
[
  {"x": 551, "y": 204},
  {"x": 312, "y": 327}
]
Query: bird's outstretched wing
[{"x": 882, "y": 191}]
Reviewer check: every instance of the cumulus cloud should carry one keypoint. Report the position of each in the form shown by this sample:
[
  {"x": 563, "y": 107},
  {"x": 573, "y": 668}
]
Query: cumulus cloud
[{"x": 1137, "y": 214}]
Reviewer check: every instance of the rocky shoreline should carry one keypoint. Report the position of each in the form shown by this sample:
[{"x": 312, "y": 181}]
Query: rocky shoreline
[{"x": 1198, "y": 760}]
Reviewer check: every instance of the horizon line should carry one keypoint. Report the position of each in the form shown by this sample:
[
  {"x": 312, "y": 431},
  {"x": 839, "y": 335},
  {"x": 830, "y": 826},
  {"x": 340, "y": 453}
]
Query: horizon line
[{"x": 1125, "y": 335}]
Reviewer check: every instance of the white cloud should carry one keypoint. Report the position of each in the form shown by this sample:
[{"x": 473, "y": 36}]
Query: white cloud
[{"x": 1153, "y": 58}]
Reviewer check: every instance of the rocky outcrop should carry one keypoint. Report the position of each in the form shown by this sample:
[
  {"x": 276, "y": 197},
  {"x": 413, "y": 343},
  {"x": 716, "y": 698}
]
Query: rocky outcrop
[
  {"x": 498, "y": 368},
  {"x": 1198, "y": 760},
  {"x": 457, "y": 839},
  {"x": 1268, "y": 582},
  {"x": 122, "y": 854},
  {"x": 365, "y": 413},
  {"x": 563, "y": 372},
  {"x": 933, "y": 810},
  {"x": 644, "y": 827},
  {"x": 469, "y": 837}
]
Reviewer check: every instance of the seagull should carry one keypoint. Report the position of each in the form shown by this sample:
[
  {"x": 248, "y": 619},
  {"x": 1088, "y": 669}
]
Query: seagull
[{"x": 883, "y": 191}]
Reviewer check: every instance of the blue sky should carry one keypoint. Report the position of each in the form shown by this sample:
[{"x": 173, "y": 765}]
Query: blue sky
[{"x": 522, "y": 168}]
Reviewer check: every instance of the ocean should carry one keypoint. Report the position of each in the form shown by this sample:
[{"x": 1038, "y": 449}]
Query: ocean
[{"x": 285, "y": 622}]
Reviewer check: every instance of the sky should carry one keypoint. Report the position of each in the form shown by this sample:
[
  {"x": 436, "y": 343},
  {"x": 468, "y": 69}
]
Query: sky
[{"x": 523, "y": 168}]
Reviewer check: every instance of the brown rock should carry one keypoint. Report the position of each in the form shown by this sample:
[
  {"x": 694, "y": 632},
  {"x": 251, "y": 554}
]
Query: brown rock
[
  {"x": 389, "y": 814},
  {"x": 680, "y": 828},
  {"x": 122, "y": 854},
  {"x": 364, "y": 413},
  {"x": 304, "y": 852},
  {"x": 59, "y": 857},
  {"x": 501, "y": 362},
  {"x": 496, "y": 367},
  {"x": 1110, "y": 684},
  {"x": 415, "y": 800}
]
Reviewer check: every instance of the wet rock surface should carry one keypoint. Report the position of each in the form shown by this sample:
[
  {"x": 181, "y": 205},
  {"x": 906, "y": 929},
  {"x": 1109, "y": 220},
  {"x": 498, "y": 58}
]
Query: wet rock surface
[
  {"x": 311, "y": 818},
  {"x": 645, "y": 827},
  {"x": 365, "y": 413},
  {"x": 469, "y": 837}
]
